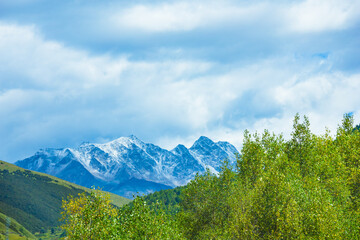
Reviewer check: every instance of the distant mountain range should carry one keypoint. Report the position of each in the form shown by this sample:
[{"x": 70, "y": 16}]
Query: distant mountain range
[{"x": 128, "y": 166}]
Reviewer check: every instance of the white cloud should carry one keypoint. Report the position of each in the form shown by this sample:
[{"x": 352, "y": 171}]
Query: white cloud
[
  {"x": 183, "y": 15},
  {"x": 323, "y": 97},
  {"x": 303, "y": 94},
  {"x": 48, "y": 64},
  {"x": 321, "y": 15},
  {"x": 307, "y": 16},
  {"x": 55, "y": 95},
  {"x": 61, "y": 90}
]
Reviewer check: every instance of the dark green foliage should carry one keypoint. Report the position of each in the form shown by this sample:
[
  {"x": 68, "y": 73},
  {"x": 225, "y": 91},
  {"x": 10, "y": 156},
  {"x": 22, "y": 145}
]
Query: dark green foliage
[
  {"x": 205, "y": 205},
  {"x": 168, "y": 199}
]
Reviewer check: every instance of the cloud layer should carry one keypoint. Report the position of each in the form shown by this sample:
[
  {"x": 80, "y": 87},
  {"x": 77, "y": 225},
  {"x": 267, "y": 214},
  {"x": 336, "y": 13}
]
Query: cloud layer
[{"x": 171, "y": 71}]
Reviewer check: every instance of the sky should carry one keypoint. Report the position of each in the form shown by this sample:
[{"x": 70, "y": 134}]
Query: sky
[{"x": 168, "y": 72}]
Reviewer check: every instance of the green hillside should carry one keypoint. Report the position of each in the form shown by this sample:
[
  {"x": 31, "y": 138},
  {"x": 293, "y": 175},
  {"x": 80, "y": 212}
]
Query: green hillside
[
  {"x": 10, "y": 227},
  {"x": 34, "y": 199}
]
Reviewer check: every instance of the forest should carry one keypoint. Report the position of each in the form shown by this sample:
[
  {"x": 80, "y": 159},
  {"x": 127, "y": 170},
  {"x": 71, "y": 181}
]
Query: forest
[{"x": 305, "y": 187}]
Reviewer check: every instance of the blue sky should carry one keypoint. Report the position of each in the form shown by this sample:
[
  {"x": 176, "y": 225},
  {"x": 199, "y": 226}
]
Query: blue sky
[{"x": 171, "y": 71}]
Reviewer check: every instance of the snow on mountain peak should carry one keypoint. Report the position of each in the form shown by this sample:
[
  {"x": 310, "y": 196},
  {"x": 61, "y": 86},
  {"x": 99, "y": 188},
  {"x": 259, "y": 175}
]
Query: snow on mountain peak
[
  {"x": 203, "y": 140},
  {"x": 113, "y": 165},
  {"x": 125, "y": 141}
]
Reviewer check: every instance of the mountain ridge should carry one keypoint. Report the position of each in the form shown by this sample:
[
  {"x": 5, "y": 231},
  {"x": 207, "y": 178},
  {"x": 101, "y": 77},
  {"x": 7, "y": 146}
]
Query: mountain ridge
[{"x": 117, "y": 165}]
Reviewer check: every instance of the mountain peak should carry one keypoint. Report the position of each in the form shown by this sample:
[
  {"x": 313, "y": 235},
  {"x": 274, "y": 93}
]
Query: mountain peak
[
  {"x": 179, "y": 148},
  {"x": 115, "y": 165},
  {"x": 203, "y": 138},
  {"x": 133, "y": 137},
  {"x": 84, "y": 144},
  {"x": 126, "y": 141},
  {"x": 201, "y": 142}
]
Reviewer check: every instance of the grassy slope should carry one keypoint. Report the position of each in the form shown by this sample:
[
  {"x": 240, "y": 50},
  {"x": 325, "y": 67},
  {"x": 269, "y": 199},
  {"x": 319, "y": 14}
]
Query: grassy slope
[
  {"x": 34, "y": 199},
  {"x": 13, "y": 229}
]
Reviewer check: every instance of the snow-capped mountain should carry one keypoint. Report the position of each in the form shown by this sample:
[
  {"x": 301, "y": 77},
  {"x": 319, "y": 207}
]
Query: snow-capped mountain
[{"x": 128, "y": 166}]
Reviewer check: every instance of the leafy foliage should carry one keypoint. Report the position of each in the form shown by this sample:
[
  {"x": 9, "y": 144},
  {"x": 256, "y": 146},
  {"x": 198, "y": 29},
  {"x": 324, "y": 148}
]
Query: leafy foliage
[
  {"x": 205, "y": 205},
  {"x": 140, "y": 221},
  {"x": 307, "y": 187},
  {"x": 304, "y": 188},
  {"x": 357, "y": 127},
  {"x": 88, "y": 216},
  {"x": 93, "y": 217},
  {"x": 168, "y": 200}
]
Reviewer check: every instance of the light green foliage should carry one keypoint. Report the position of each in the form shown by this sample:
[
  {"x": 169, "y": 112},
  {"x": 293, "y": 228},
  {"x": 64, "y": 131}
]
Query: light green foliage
[
  {"x": 307, "y": 187},
  {"x": 88, "y": 216},
  {"x": 93, "y": 217},
  {"x": 140, "y": 221}
]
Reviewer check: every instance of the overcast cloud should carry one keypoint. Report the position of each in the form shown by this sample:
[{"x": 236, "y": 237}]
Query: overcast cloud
[{"x": 171, "y": 71}]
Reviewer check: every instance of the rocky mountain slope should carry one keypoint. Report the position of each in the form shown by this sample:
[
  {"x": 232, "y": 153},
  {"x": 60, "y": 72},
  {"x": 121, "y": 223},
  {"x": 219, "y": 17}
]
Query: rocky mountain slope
[{"x": 128, "y": 166}]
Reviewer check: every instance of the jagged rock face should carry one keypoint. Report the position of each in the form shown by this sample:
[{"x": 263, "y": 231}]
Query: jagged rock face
[{"x": 128, "y": 166}]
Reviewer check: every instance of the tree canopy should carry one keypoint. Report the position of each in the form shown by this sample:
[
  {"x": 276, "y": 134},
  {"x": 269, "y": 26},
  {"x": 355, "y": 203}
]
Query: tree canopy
[{"x": 307, "y": 187}]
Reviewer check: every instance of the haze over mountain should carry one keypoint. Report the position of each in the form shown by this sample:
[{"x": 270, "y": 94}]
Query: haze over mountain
[{"x": 128, "y": 166}]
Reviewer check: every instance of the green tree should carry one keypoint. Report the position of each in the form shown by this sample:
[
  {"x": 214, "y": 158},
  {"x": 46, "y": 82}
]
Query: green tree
[
  {"x": 302, "y": 188},
  {"x": 89, "y": 216},
  {"x": 205, "y": 207},
  {"x": 92, "y": 216},
  {"x": 141, "y": 221},
  {"x": 307, "y": 187}
]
